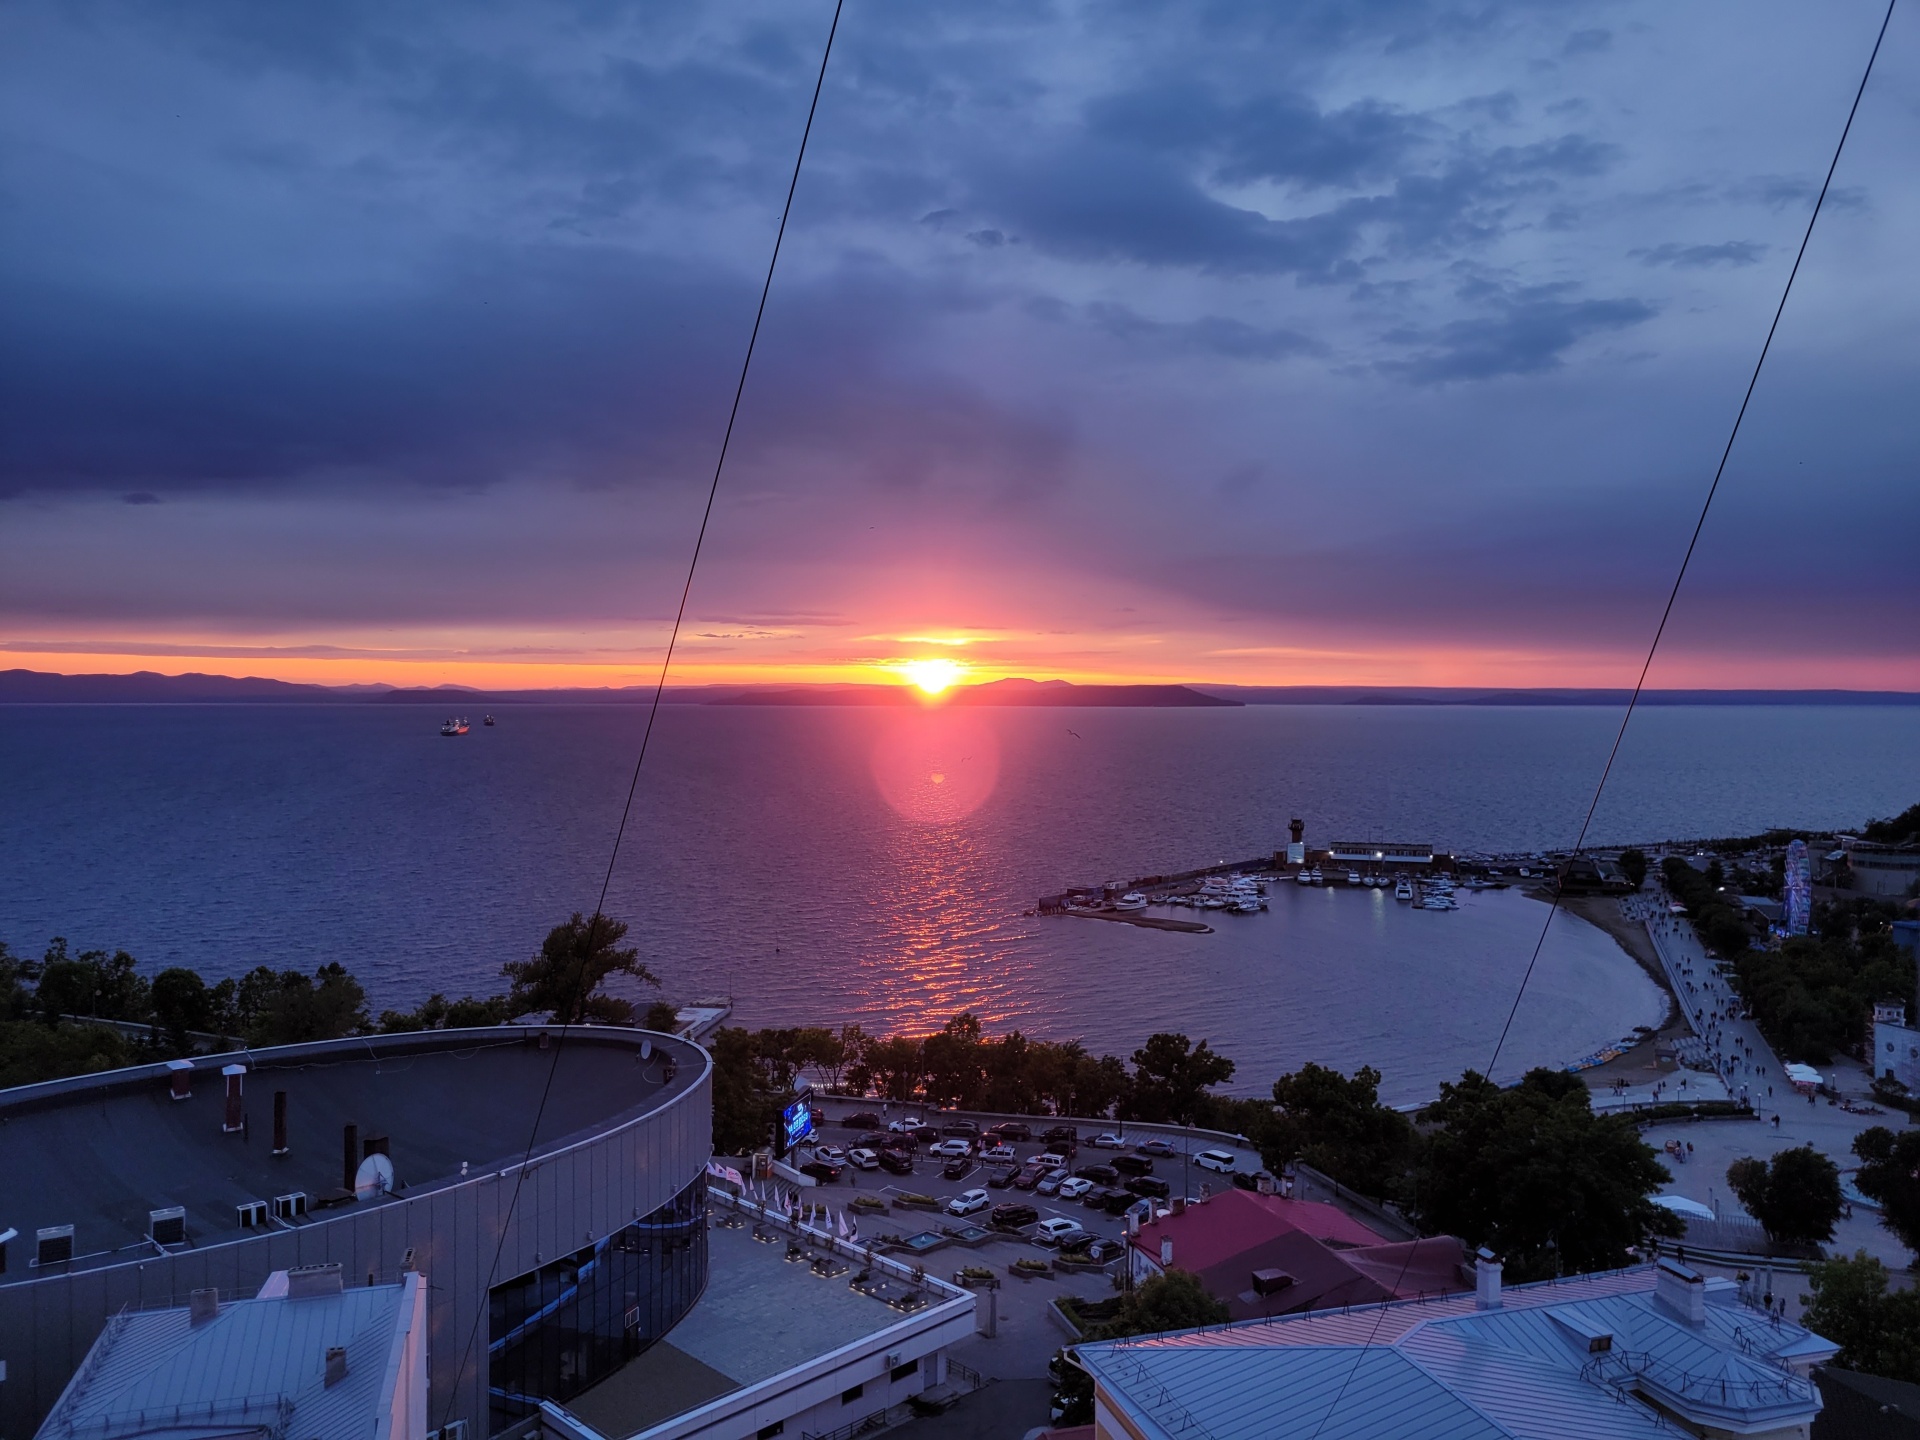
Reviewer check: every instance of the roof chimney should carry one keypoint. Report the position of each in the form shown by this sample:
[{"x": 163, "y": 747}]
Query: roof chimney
[
  {"x": 336, "y": 1364},
  {"x": 236, "y": 1117},
  {"x": 1681, "y": 1290},
  {"x": 1179, "y": 1204},
  {"x": 1166, "y": 1252},
  {"x": 304, "y": 1282},
  {"x": 279, "y": 1122},
  {"x": 203, "y": 1305},
  {"x": 1486, "y": 1280},
  {"x": 180, "y": 1079}
]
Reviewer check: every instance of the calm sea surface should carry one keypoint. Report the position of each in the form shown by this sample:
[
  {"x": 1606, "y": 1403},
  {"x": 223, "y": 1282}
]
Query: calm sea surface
[{"x": 824, "y": 865}]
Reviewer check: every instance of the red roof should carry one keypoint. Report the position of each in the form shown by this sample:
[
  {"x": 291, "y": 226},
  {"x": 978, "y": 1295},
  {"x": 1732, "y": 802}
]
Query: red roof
[{"x": 1236, "y": 1220}]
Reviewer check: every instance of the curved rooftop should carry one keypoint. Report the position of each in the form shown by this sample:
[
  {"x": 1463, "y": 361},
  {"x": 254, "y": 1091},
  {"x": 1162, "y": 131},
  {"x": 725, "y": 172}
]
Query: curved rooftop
[{"x": 100, "y": 1152}]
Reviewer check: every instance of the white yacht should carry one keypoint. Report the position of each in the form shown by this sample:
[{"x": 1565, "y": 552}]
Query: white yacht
[
  {"x": 1303, "y": 876},
  {"x": 1132, "y": 900},
  {"x": 1316, "y": 878},
  {"x": 1353, "y": 878},
  {"x": 1403, "y": 889}
]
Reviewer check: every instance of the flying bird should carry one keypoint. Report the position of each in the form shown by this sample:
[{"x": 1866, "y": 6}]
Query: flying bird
[{"x": 1073, "y": 732}]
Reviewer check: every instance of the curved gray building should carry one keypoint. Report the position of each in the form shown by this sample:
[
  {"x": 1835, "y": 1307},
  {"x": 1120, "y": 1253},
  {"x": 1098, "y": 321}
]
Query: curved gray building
[{"x": 123, "y": 1191}]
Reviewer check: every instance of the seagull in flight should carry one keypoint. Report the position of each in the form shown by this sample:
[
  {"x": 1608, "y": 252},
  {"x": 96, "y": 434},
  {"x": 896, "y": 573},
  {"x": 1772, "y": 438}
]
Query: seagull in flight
[{"x": 1073, "y": 732}]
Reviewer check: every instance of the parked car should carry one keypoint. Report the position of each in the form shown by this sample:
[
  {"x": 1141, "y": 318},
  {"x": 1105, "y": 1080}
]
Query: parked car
[
  {"x": 969, "y": 1202},
  {"x": 1050, "y": 1182},
  {"x": 1254, "y": 1179},
  {"x": 1049, "y": 1161},
  {"x": 832, "y": 1154},
  {"x": 1062, "y": 1137},
  {"x": 1118, "y": 1202},
  {"x": 1012, "y": 1131},
  {"x": 906, "y": 1125},
  {"x": 1107, "y": 1140},
  {"x": 1028, "y": 1177},
  {"x": 1148, "y": 1185},
  {"x": 961, "y": 1129},
  {"x": 952, "y": 1149},
  {"x": 1100, "y": 1249},
  {"x": 862, "y": 1120},
  {"x": 1000, "y": 1179},
  {"x": 1155, "y": 1146},
  {"x": 1220, "y": 1160},
  {"x": 895, "y": 1163},
  {"x": 1133, "y": 1165},
  {"x": 820, "y": 1170},
  {"x": 1073, "y": 1188},
  {"x": 902, "y": 1143},
  {"x": 1057, "y": 1231},
  {"x": 1099, "y": 1174},
  {"x": 862, "y": 1158},
  {"x": 1012, "y": 1214},
  {"x": 998, "y": 1155},
  {"x": 1095, "y": 1196},
  {"x": 927, "y": 1135},
  {"x": 958, "y": 1167}
]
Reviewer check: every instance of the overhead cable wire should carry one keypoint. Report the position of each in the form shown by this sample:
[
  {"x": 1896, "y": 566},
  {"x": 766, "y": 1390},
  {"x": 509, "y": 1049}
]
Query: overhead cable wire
[
  {"x": 659, "y": 690},
  {"x": 1673, "y": 594}
]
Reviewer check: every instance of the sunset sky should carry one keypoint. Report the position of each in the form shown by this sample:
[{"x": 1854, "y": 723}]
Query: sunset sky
[{"x": 1319, "y": 343}]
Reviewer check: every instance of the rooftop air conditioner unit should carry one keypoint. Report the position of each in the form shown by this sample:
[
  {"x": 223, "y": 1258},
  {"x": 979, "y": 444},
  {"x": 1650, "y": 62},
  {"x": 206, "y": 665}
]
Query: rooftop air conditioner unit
[
  {"x": 252, "y": 1213},
  {"x": 290, "y": 1206},
  {"x": 168, "y": 1226},
  {"x": 54, "y": 1244}
]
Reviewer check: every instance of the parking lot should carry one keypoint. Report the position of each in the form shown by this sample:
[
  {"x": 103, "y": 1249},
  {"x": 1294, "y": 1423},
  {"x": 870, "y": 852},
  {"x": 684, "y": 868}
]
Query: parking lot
[{"x": 1179, "y": 1170}]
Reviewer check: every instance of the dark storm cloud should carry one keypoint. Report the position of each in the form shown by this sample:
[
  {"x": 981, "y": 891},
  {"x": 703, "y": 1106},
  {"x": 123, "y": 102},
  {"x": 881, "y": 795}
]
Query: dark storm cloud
[
  {"x": 1731, "y": 253},
  {"x": 1523, "y": 332},
  {"x": 1211, "y": 334}
]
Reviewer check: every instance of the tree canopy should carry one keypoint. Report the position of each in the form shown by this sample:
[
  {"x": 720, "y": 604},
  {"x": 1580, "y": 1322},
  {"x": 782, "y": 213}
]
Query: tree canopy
[
  {"x": 1795, "y": 1196},
  {"x": 1890, "y": 1176},
  {"x": 1536, "y": 1175},
  {"x": 1171, "y": 1078},
  {"x": 1338, "y": 1125},
  {"x": 574, "y": 962},
  {"x": 1877, "y": 1329}
]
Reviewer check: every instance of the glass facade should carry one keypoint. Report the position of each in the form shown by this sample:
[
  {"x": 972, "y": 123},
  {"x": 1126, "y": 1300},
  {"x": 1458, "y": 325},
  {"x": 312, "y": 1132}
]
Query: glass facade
[{"x": 563, "y": 1327}]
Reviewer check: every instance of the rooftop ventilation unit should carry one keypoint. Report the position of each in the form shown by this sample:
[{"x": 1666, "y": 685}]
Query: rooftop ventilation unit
[
  {"x": 1271, "y": 1282},
  {"x": 54, "y": 1244},
  {"x": 304, "y": 1282},
  {"x": 252, "y": 1214},
  {"x": 203, "y": 1305},
  {"x": 290, "y": 1206},
  {"x": 168, "y": 1226},
  {"x": 336, "y": 1364}
]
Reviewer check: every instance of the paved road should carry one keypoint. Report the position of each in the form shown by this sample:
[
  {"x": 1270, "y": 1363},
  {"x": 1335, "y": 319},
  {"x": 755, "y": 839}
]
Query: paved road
[{"x": 1740, "y": 1054}]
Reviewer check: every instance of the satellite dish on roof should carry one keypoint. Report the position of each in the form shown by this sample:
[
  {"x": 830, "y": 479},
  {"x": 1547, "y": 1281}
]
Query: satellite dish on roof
[
  {"x": 373, "y": 1179},
  {"x": 646, "y": 1049}
]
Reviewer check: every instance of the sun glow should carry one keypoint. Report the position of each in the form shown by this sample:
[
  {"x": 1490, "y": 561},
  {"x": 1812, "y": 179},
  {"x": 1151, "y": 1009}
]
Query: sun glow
[{"x": 933, "y": 676}]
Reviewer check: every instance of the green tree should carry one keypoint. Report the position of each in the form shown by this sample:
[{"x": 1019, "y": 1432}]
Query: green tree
[
  {"x": 1535, "y": 1175},
  {"x": 895, "y": 1066},
  {"x": 575, "y": 960},
  {"x": 1877, "y": 1330},
  {"x": 662, "y": 1015},
  {"x": 1890, "y": 1175},
  {"x": 1171, "y": 1078},
  {"x": 1338, "y": 1126},
  {"x": 745, "y": 1108},
  {"x": 181, "y": 1004},
  {"x": 292, "y": 1009},
  {"x": 951, "y": 1061},
  {"x": 93, "y": 984},
  {"x": 1795, "y": 1197},
  {"x": 31, "y": 1051},
  {"x": 437, "y": 1012},
  {"x": 18, "y": 977},
  {"x": 1171, "y": 1300},
  {"x": 1633, "y": 865}
]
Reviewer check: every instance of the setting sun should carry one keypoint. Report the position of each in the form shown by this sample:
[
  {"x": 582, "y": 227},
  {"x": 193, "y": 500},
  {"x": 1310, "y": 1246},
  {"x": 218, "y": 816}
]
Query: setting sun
[{"x": 933, "y": 676}]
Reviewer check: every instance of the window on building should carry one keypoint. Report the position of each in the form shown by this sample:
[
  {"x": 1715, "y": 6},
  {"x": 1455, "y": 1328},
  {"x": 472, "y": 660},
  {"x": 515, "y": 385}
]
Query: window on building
[
  {"x": 847, "y": 1397},
  {"x": 767, "y": 1432},
  {"x": 904, "y": 1372}
]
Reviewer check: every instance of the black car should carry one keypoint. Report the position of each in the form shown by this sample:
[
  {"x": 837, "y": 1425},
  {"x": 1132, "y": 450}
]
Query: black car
[
  {"x": 1119, "y": 1201},
  {"x": 961, "y": 1130},
  {"x": 822, "y": 1170},
  {"x": 1000, "y": 1179},
  {"x": 862, "y": 1120},
  {"x": 1099, "y": 1249},
  {"x": 1012, "y": 1215},
  {"x": 1148, "y": 1185},
  {"x": 1013, "y": 1132},
  {"x": 1099, "y": 1174},
  {"x": 1133, "y": 1164},
  {"x": 1097, "y": 1197},
  {"x": 1062, "y": 1135},
  {"x": 894, "y": 1162},
  {"x": 1253, "y": 1179},
  {"x": 958, "y": 1168},
  {"x": 872, "y": 1140}
]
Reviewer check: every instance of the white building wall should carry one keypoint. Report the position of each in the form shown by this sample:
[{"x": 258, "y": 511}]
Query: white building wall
[{"x": 1896, "y": 1051}]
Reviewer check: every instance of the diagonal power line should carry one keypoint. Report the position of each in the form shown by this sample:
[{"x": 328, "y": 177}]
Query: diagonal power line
[
  {"x": 1660, "y": 631},
  {"x": 653, "y": 710}
]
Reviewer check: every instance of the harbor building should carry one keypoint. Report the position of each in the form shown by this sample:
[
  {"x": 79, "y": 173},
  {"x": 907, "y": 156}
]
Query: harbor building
[
  {"x": 1629, "y": 1355},
  {"x": 545, "y": 1269},
  {"x": 1889, "y": 871},
  {"x": 1381, "y": 852}
]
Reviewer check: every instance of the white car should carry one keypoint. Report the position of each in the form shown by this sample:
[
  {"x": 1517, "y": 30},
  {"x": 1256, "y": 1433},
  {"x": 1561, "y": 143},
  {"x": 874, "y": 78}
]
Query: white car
[
  {"x": 906, "y": 1127},
  {"x": 952, "y": 1149},
  {"x": 832, "y": 1154},
  {"x": 997, "y": 1155},
  {"x": 1051, "y": 1181},
  {"x": 1107, "y": 1141},
  {"x": 863, "y": 1159},
  {"x": 969, "y": 1202},
  {"x": 1221, "y": 1160},
  {"x": 1074, "y": 1188},
  {"x": 1058, "y": 1231},
  {"x": 1049, "y": 1161}
]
